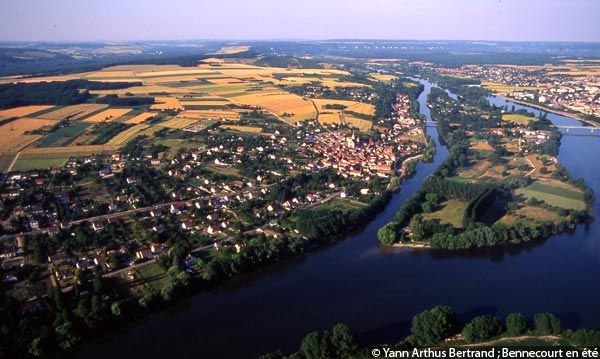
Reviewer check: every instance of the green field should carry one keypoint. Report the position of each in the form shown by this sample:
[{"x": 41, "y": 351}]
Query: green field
[
  {"x": 5, "y": 160},
  {"x": 63, "y": 135},
  {"x": 154, "y": 276},
  {"x": 36, "y": 162},
  {"x": 452, "y": 212},
  {"x": 554, "y": 196}
]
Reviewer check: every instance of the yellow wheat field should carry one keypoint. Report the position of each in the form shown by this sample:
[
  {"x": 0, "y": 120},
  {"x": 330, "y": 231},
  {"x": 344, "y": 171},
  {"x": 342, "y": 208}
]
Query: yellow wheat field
[
  {"x": 13, "y": 135},
  {"x": 382, "y": 77},
  {"x": 322, "y": 103},
  {"x": 166, "y": 103},
  {"x": 362, "y": 108},
  {"x": 178, "y": 123},
  {"x": 210, "y": 114},
  {"x": 141, "y": 118},
  {"x": 113, "y": 74},
  {"x": 73, "y": 112},
  {"x": 361, "y": 124},
  {"x": 250, "y": 129},
  {"x": 72, "y": 150},
  {"x": 291, "y": 108},
  {"x": 127, "y": 135},
  {"x": 205, "y": 103},
  {"x": 22, "y": 111},
  {"x": 328, "y": 118},
  {"x": 108, "y": 115}
]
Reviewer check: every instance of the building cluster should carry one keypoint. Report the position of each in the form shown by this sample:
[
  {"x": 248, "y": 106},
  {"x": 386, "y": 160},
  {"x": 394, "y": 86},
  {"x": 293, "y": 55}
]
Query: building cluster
[
  {"x": 558, "y": 90},
  {"x": 352, "y": 156}
]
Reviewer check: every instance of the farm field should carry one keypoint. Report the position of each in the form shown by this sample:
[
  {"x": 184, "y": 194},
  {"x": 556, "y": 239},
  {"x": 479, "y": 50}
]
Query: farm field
[
  {"x": 362, "y": 108},
  {"x": 382, "y": 77},
  {"x": 328, "y": 118},
  {"x": 27, "y": 162},
  {"x": 452, "y": 212},
  {"x": 5, "y": 160},
  {"x": 553, "y": 195},
  {"x": 13, "y": 136},
  {"x": 22, "y": 111},
  {"x": 73, "y": 112},
  {"x": 141, "y": 118},
  {"x": 166, "y": 103},
  {"x": 71, "y": 150},
  {"x": 502, "y": 88},
  {"x": 127, "y": 135},
  {"x": 517, "y": 118},
  {"x": 108, "y": 115},
  {"x": 210, "y": 114},
  {"x": 63, "y": 135},
  {"x": 250, "y": 129},
  {"x": 289, "y": 107},
  {"x": 363, "y": 125},
  {"x": 178, "y": 123}
]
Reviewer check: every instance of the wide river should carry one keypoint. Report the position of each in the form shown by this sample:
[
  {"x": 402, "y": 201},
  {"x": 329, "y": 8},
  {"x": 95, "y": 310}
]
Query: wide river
[{"x": 375, "y": 290}]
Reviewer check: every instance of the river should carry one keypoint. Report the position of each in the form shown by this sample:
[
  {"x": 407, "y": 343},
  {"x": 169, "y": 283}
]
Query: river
[{"x": 375, "y": 290}]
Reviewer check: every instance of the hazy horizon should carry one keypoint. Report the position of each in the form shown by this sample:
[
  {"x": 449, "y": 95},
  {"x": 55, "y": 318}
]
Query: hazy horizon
[{"x": 419, "y": 20}]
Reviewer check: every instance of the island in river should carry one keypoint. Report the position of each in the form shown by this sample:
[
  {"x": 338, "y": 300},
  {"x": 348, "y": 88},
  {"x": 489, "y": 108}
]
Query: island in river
[{"x": 501, "y": 182}]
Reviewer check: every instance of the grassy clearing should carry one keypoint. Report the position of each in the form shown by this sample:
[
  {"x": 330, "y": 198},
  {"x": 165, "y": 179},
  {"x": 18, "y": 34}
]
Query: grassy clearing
[
  {"x": 555, "y": 196},
  {"x": 538, "y": 214},
  {"x": 33, "y": 162},
  {"x": 5, "y": 160},
  {"x": 518, "y": 118},
  {"x": 451, "y": 212},
  {"x": 154, "y": 276}
]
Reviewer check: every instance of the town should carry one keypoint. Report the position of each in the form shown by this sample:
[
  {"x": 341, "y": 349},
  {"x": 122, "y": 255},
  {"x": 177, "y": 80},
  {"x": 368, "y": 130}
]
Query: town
[
  {"x": 571, "y": 88},
  {"x": 208, "y": 183}
]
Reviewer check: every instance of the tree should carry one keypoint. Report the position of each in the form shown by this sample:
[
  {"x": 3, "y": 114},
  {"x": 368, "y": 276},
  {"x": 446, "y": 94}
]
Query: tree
[
  {"x": 515, "y": 324},
  {"x": 115, "y": 309},
  {"x": 585, "y": 337},
  {"x": 314, "y": 346},
  {"x": 481, "y": 328},
  {"x": 65, "y": 333},
  {"x": 547, "y": 324},
  {"x": 387, "y": 234},
  {"x": 432, "y": 326},
  {"x": 342, "y": 341}
]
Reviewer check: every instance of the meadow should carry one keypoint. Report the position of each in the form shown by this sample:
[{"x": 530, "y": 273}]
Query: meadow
[
  {"x": 27, "y": 162},
  {"x": 553, "y": 195},
  {"x": 451, "y": 212}
]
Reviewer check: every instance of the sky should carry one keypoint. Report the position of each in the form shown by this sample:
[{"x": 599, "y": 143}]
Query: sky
[{"x": 124, "y": 20}]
